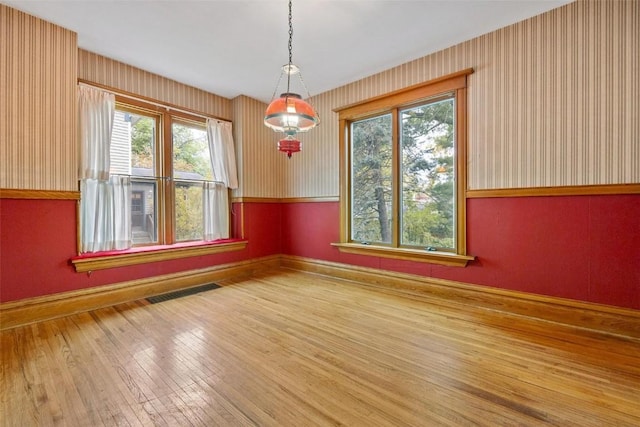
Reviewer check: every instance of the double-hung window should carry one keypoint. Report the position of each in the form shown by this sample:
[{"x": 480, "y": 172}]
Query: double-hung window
[
  {"x": 134, "y": 152},
  {"x": 403, "y": 173},
  {"x": 167, "y": 156},
  {"x": 154, "y": 188},
  {"x": 191, "y": 167}
]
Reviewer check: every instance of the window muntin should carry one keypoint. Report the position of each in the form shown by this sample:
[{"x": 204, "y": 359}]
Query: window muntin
[{"x": 427, "y": 146}]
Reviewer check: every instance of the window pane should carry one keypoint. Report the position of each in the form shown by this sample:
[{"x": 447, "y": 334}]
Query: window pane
[
  {"x": 428, "y": 175},
  {"x": 133, "y": 144},
  {"x": 188, "y": 211},
  {"x": 371, "y": 185},
  {"x": 132, "y": 152},
  {"x": 191, "y": 166},
  {"x": 191, "y": 152},
  {"x": 143, "y": 211}
]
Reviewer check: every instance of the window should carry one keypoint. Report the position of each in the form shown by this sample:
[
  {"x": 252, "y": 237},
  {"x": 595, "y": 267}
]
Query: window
[
  {"x": 191, "y": 166},
  {"x": 168, "y": 171},
  {"x": 151, "y": 184},
  {"x": 134, "y": 141},
  {"x": 403, "y": 178}
]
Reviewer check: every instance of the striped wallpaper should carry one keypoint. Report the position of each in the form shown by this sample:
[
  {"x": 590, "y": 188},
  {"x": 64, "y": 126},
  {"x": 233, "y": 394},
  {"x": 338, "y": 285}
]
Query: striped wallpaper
[
  {"x": 38, "y": 137},
  {"x": 314, "y": 172},
  {"x": 260, "y": 166},
  {"x": 554, "y": 101},
  {"x": 108, "y": 72}
]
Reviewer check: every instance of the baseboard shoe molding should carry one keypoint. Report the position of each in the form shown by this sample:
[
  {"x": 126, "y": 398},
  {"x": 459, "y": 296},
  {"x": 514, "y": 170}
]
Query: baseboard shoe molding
[
  {"x": 32, "y": 310},
  {"x": 595, "y": 317}
]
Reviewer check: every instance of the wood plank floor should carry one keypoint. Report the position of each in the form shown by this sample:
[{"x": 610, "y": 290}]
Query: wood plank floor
[{"x": 293, "y": 349}]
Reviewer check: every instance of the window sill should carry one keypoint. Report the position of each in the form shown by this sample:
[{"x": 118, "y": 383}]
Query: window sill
[
  {"x": 442, "y": 258},
  {"x": 141, "y": 255}
]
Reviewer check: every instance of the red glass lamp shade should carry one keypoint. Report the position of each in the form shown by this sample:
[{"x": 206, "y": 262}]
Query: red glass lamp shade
[
  {"x": 290, "y": 114},
  {"x": 289, "y": 146}
]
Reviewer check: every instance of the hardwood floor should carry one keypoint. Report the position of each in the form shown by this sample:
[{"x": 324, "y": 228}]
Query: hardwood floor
[{"x": 293, "y": 349}]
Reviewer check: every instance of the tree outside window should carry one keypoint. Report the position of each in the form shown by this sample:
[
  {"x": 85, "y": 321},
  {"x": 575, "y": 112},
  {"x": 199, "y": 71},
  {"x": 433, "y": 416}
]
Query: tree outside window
[
  {"x": 404, "y": 173},
  {"x": 139, "y": 149}
]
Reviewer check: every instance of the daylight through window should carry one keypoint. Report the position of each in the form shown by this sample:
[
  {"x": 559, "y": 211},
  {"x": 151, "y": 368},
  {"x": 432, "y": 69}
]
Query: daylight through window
[
  {"x": 404, "y": 155},
  {"x": 169, "y": 165}
]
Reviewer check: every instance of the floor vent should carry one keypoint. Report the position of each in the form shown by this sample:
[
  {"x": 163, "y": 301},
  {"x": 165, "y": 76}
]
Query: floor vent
[{"x": 182, "y": 293}]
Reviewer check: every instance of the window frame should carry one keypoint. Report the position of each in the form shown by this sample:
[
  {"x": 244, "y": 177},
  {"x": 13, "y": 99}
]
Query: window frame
[
  {"x": 393, "y": 102},
  {"x": 151, "y": 111},
  {"x": 166, "y": 248}
]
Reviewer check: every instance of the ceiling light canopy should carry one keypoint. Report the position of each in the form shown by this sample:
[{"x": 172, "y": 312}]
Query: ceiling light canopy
[{"x": 289, "y": 113}]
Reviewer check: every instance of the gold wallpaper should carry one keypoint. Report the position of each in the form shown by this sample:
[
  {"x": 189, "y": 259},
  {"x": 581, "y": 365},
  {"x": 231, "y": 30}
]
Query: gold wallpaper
[
  {"x": 38, "y": 146},
  {"x": 108, "y": 72},
  {"x": 554, "y": 101},
  {"x": 260, "y": 168}
]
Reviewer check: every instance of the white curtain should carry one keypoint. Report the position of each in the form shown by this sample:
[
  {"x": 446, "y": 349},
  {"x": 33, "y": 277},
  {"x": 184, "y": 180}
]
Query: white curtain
[
  {"x": 215, "y": 199},
  {"x": 223, "y": 156},
  {"x": 120, "y": 189},
  {"x": 105, "y": 222},
  {"x": 215, "y": 195}
]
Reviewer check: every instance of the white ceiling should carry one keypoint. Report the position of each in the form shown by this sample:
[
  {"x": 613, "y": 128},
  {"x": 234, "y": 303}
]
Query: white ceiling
[{"x": 236, "y": 47}]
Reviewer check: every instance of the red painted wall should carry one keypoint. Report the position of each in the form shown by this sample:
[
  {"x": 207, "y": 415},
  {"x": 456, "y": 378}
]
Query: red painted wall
[
  {"x": 38, "y": 237},
  {"x": 580, "y": 247},
  {"x": 262, "y": 228}
]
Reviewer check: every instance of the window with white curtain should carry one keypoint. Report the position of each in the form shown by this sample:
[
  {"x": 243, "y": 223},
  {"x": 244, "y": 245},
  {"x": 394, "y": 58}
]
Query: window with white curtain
[
  {"x": 191, "y": 169},
  {"x": 168, "y": 158},
  {"x": 134, "y": 149}
]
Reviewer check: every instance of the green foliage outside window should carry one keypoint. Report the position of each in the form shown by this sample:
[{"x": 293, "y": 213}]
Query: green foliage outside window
[
  {"x": 372, "y": 180},
  {"x": 426, "y": 177},
  {"x": 142, "y": 142},
  {"x": 427, "y": 146},
  {"x": 191, "y": 166},
  {"x": 188, "y": 203},
  {"x": 191, "y": 151}
]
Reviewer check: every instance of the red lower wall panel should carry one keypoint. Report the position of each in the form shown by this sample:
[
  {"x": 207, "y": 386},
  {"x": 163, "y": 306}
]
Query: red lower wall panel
[
  {"x": 38, "y": 237},
  {"x": 262, "y": 228},
  {"x": 584, "y": 248}
]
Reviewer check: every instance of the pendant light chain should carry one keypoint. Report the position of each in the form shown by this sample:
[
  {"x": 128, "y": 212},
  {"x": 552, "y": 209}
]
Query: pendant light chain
[
  {"x": 304, "y": 85},
  {"x": 290, "y": 48},
  {"x": 290, "y": 35},
  {"x": 289, "y": 113}
]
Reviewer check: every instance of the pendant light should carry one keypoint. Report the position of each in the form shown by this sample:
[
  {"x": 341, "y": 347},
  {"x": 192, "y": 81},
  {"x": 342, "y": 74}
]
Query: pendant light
[{"x": 289, "y": 113}]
